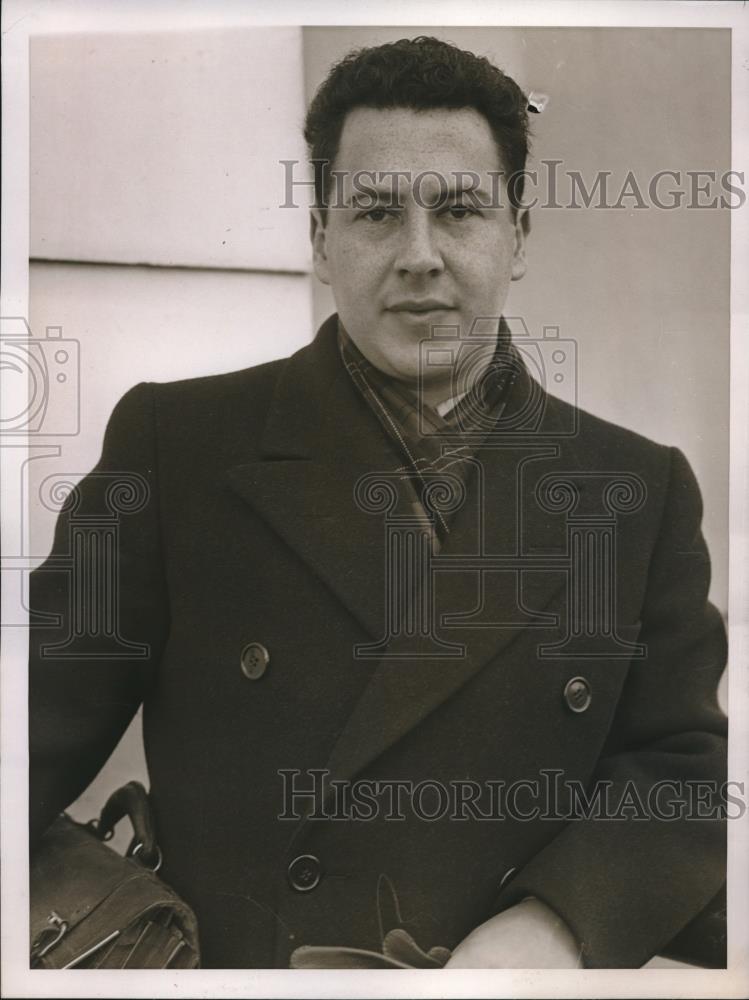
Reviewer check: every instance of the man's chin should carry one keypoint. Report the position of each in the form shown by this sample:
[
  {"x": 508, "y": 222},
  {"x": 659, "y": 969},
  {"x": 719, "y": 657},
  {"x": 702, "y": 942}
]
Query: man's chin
[{"x": 410, "y": 377}]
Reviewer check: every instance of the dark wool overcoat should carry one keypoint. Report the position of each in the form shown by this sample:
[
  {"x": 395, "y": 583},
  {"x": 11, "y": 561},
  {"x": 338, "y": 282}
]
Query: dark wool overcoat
[{"x": 256, "y": 610}]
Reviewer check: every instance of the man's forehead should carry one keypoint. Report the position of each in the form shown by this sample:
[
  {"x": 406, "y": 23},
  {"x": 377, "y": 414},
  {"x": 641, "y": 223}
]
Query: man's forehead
[{"x": 445, "y": 140}]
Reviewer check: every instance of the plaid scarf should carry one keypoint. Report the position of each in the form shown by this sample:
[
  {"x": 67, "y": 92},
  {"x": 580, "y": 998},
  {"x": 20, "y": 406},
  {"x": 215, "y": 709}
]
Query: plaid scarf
[{"x": 430, "y": 442}]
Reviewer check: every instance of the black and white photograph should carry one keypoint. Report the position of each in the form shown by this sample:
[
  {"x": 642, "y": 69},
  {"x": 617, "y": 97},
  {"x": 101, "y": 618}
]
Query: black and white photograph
[{"x": 373, "y": 445}]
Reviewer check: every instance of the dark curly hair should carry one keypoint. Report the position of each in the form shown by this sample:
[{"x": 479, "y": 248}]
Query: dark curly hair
[{"x": 419, "y": 73}]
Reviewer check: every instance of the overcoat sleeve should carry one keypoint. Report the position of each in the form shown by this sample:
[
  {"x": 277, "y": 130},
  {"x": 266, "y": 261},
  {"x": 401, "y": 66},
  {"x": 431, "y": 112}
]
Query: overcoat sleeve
[
  {"x": 627, "y": 885},
  {"x": 98, "y": 614}
]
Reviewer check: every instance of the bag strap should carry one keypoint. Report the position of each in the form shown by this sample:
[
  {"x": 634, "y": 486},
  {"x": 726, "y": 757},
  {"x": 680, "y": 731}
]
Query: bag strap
[{"x": 132, "y": 801}]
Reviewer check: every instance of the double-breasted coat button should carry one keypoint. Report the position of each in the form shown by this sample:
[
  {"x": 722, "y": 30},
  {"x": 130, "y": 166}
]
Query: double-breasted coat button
[
  {"x": 254, "y": 660},
  {"x": 304, "y": 873},
  {"x": 578, "y": 694}
]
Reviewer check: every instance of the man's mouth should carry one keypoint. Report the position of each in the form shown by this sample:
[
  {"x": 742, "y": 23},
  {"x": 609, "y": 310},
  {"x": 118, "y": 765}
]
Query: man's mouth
[{"x": 420, "y": 307}]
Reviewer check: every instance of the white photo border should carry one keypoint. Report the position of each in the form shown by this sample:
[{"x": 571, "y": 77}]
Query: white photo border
[{"x": 23, "y": 18}]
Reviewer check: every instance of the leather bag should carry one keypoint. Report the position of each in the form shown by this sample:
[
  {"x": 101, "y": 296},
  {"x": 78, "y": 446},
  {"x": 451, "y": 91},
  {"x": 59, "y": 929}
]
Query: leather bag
[{"x": 92, "y": 908}]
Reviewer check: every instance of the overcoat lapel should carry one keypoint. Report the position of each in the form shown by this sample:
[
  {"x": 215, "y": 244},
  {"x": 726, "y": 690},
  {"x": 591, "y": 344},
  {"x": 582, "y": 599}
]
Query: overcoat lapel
[
  {"x": 320, "y": 439},
  {"x": 501, "y": 516}
]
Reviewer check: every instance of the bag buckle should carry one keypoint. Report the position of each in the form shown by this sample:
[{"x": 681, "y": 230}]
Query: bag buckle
[{"x": 57, "y": 928}]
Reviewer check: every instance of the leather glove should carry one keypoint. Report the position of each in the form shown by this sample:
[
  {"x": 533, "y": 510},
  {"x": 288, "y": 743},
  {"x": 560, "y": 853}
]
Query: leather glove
[{"x": 399, "y": 951}]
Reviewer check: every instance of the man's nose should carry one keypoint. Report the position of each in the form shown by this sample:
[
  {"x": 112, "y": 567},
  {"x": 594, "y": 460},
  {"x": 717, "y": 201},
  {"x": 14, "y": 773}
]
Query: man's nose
[{"x": 418, "y": 250}]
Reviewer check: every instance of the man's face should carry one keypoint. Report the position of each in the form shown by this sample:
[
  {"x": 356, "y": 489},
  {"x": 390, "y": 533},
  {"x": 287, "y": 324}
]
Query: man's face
[{"x": 402, "y": 267}]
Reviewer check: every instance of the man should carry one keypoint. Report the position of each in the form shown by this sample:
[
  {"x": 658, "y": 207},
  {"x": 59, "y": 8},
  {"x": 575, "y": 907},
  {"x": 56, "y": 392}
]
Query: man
[{"x": 394, "y": 562}]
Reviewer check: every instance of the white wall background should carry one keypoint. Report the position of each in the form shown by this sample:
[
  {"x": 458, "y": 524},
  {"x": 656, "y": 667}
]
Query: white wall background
[
  {"x": 157, "y": 240},
  {"x": 163, "y": 148}
]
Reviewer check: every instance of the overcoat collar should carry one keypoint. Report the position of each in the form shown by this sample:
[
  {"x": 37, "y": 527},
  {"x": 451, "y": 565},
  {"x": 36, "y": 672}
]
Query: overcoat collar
[{"x": 320, "y": 439}]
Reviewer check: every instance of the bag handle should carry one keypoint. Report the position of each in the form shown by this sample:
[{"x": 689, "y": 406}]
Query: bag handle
[{"x": 132, "y": 801}]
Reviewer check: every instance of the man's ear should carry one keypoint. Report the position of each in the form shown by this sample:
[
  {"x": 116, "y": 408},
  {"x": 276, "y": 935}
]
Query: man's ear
[
  {"x": 522, "y": 226},
  {"x": 317, "y": 235}
]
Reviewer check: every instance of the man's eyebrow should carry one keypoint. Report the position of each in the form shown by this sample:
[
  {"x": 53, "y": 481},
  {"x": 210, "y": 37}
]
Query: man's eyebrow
[
  {"x": 369, "y": 194},
  {"x": 476, "y": 192},
  {"x": 379, "y": 194}
]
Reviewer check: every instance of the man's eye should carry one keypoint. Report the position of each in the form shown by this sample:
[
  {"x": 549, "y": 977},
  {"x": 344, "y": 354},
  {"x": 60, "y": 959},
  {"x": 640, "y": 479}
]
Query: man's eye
[
  {"x": 376, "y": 215},
  {"x": 460, "y": 212}
]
